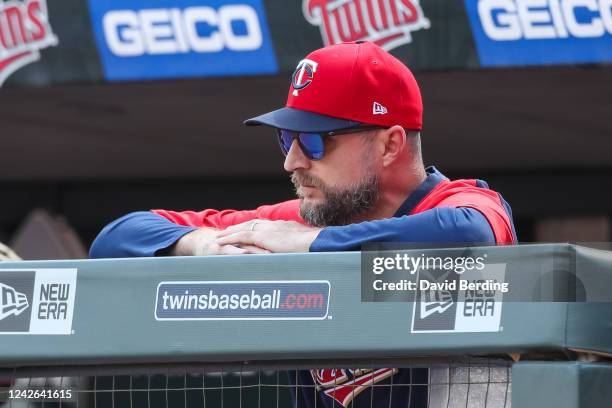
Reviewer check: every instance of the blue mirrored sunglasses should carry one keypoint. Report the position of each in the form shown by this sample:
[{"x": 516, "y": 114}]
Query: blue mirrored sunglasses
[{"x": 313, "y": 143}]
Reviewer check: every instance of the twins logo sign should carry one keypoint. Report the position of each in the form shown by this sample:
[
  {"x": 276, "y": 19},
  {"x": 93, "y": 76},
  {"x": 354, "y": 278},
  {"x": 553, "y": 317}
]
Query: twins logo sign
[
  {"x": 388, "y": 23},
  {"x": 451, "y": 302},
  {"x": 37, "y": 301},
  {"x": 24, "y": 31}
]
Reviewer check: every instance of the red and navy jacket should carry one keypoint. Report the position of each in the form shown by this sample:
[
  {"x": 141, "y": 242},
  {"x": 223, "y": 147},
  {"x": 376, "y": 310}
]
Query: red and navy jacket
[{"x": 438, "y": 211}]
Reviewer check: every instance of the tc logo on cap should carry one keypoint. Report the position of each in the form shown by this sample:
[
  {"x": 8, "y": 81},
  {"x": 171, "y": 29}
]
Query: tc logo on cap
[{"x": 303, "y": 75}]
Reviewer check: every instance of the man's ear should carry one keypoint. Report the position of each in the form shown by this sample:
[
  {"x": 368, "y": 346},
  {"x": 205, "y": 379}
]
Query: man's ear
[{"x": 394, "y": 140}]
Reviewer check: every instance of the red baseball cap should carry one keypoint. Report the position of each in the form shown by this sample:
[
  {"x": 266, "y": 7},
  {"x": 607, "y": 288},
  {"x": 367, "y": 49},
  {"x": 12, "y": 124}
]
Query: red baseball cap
[{"x": 346, "y": 85}]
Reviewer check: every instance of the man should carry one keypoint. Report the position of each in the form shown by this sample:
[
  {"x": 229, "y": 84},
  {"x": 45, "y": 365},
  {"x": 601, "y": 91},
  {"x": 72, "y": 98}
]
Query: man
[{"x": 350, "y": 132}]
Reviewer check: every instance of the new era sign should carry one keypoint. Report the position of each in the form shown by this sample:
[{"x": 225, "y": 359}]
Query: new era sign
[
  {"x": 37, "y": 301},
  {"x": 450, "y": 302}
]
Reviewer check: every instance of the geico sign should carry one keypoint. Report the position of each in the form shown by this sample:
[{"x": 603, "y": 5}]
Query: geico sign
[
  {"x": 131, "y": 33},
  {"x": 506, "y": 20}
]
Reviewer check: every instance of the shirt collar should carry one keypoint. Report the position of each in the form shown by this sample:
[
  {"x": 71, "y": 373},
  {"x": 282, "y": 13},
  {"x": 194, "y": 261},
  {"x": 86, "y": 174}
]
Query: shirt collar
[{"x": 434, "y": 177}]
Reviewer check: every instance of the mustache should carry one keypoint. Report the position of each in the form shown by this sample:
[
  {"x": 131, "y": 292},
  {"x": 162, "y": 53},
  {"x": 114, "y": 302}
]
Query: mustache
[{"x": 300, "y": 179}]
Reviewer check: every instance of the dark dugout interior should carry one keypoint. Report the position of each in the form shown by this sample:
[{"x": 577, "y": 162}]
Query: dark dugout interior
[{"x": 540, "y": 136}]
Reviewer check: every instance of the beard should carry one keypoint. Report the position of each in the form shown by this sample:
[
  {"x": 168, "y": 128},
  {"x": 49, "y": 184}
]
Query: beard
[{"x": 340, "y": 205}]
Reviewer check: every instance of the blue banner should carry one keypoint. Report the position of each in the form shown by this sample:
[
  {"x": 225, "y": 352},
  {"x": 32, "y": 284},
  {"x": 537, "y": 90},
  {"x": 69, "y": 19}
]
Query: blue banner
[
  {"x": 244, "y": 300},
  {"x": 163, "y": 39},
  {"x": 541, "y": 32}
]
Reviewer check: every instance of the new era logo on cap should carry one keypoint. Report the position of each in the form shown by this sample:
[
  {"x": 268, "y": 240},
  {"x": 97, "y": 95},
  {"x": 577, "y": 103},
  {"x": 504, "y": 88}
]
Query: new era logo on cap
[{"x": 378, "y": 109}]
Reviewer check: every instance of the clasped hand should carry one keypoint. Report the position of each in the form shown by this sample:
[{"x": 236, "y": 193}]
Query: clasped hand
[{"x": 251, "y": 237}]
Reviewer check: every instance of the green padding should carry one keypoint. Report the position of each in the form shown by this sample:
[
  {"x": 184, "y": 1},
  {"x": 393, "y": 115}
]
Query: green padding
[
  {"x": 114, "y": 313},
  {"x": 561, "y": 385}
]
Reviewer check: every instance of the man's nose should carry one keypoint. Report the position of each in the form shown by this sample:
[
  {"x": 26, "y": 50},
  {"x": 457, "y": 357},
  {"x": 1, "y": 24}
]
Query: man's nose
[{"x": 295, "y": 158}]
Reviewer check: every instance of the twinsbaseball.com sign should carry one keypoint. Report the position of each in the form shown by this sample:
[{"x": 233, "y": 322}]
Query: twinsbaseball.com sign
[{"x": 242, "y": 300}]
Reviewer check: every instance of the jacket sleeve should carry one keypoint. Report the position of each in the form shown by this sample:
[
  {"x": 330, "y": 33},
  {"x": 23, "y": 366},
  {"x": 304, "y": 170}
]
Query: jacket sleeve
[
  {"x": 438, "y": 225},
  {"x": 287, "y": 211},
  {"x": 141, "y": 233},
  {"x": 145, "y": 233}
]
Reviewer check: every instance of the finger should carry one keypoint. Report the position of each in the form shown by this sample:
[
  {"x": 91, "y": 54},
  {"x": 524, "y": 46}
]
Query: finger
[
  {"x": 239, "y": 238},
  {"x": 232, "y": 250},
  {"x": 252, "y": 249},
  {"x": 253, "y": 225},
  {"x": 231, "y": 230},
  {"x": 243, "y": 226},
  {"x": 214, "y": 249}
]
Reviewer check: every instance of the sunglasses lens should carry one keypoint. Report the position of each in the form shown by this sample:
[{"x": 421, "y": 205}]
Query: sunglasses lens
[
  {"x": 312, "y": 144},
  {"x": 285, "y": 137}
]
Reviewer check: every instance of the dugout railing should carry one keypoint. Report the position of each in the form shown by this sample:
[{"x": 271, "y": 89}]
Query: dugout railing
[{"x": 128, "y": 332}]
